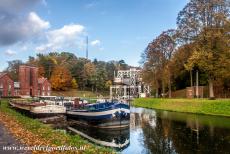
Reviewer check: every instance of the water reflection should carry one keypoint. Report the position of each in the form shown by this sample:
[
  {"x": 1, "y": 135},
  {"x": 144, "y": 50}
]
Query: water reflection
[
  {"x": 153, "y": 131},
  {"x": 171, "y": 132},
  {"x": 117, "y": 138}
]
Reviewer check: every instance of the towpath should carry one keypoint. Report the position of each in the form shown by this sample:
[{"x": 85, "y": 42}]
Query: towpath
[{"x": 7, "y": 141}]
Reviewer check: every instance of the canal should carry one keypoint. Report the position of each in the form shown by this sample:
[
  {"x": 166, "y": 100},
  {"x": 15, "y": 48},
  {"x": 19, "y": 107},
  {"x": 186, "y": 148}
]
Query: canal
[{"x": 156, "y": 131}]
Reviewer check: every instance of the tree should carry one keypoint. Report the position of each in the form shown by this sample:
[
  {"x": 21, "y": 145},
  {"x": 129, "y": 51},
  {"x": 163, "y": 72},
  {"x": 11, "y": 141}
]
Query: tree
[
  {"x": 122, "y": 65},
  {"x": 199, "y": 22},
  {"x": 108, "y": 84},
  {"x": 48, "y": 63},
  {"x": 41, "y": 71},
  {"x": 198, "y": 14},
  {"x": 13, "y": 69},
  {"x": 158, "y": 55},
  {"x": 60, "y": 78},
  {"x": 74, "y": 83},
  {"x": 212, "y": 54}
]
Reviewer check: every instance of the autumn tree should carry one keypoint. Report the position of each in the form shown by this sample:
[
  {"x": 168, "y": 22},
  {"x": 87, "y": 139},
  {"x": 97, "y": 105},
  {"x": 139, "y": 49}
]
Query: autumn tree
[
  {"x": 199, "y": 22},
  {"x": 108, "y": 84},
  {"x": 199, "y": 14},
  {"x": 158, "y": 55},
  {"x": 60, "y": 78},
  {"x": 74, "y": 83},
  {"x": 212, "y": 54},
  {"x": 48, "y": 63}
]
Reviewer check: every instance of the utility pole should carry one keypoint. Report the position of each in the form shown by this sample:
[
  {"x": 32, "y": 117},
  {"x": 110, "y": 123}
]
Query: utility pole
[{"x": 86, "y": 47}]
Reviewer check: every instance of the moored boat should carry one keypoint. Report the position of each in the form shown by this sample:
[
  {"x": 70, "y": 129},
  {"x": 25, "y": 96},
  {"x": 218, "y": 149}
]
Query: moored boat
[
  {"x": 103, "y": 115},
  {"x": 38, "y": 109}
]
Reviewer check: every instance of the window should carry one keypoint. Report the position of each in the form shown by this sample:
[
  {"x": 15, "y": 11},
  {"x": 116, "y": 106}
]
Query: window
[
  {"x": 43, "y": 88},
  {"x": 1, "y": 85}
]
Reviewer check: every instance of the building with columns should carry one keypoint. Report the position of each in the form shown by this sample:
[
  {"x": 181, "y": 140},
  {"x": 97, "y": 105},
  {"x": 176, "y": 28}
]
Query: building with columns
[{"x": 128, "y": 84}]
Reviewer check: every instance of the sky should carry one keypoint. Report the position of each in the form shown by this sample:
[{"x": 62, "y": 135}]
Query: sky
[{"x": 116, "y": 29}]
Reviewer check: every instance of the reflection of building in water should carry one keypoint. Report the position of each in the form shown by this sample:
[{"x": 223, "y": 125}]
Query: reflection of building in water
[
  {"x": 135, "y": 120},
  {"x": 138, "y": 120},
  {"x": 128, "y": 84}
]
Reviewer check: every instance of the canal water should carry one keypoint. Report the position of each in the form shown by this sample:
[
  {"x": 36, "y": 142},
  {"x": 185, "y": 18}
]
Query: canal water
[{"x": 156, "y": 131}]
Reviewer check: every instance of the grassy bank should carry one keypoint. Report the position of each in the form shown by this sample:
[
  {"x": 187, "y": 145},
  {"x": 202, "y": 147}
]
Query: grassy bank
[
  {"x": 31, "y": 132},
  {"x": 201, "y": 106},
  {"x": 78, "y": 93}
]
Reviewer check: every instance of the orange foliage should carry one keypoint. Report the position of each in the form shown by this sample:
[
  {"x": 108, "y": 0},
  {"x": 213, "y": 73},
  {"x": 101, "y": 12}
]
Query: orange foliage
[{"x": 60, "y": 78}]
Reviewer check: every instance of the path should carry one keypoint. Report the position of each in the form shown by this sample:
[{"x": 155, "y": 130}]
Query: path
[{"x": 6, "y": 139}]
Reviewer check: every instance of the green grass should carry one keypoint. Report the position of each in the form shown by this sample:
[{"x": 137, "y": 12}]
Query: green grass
[
  {"x": 219, "y": 107},
  {"x": 77, "y": 93},
  {"x": 47, "y": 133}
]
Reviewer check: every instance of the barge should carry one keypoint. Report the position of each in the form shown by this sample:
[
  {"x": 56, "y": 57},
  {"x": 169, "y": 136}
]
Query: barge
[
  {"x": 102, "y": 115},
  {"x": 38, "y": 109}
]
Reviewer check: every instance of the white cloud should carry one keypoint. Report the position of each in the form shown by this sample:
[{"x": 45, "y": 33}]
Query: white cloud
[
  {"x": 96, "y": 43},
  {"x": 21, "y": 28},
  {"x": 36, "y": 23},
  {"x": 18, "y": 23},
  {"x": 67, "y": 36},
  {"x": 24, "y": 48},
  {"x": 10, "y": 52}
]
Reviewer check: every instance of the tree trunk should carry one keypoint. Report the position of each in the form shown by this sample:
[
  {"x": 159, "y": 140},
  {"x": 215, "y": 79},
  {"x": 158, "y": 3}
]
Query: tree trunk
[
  {"x": 191, "y": 82},
  {"x": 197, "y": 85},
  {"x": 157, "y": 89},
  {"x": 163, "y": 89},
  {"x": 157, "y": 92},
  {"x": 170, "y": 91},
  {"x": 211, "y": 91}
]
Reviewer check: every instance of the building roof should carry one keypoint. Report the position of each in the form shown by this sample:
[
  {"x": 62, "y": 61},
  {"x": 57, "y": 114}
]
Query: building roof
[
  {"x": 2, "y": 74},
  {"x": 41, "y": 80}
]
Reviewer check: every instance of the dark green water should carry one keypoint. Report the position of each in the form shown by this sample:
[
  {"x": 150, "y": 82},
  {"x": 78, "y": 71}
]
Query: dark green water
[{"x": 154, "y": 131}]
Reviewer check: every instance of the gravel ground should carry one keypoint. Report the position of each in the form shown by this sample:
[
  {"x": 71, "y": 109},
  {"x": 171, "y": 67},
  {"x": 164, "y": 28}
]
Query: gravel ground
[{"x": 6, "y": 139}]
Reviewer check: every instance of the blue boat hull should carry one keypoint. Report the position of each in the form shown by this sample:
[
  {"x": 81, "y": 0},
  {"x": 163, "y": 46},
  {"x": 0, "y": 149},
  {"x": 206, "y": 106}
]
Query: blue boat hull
[{"x": 113, "y": 115}]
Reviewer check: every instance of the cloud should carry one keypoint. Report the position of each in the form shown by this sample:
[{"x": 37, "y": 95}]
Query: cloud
[
  {"x": 67, "y": 36},
  {"x": 10, "y": 52},
  {"x": 24, "y": 48},
  {"x": 36, "y": 23},
  {"x": 96, "y": 43},
  {"x": 18, "y": 23},
  {"x": 16, "y": 6}
]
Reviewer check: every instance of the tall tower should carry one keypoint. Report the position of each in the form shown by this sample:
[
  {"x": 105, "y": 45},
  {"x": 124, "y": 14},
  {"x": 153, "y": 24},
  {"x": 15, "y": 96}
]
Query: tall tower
[
  {"x": 86, "y": 47},
  {"x": 28, "y": 79}
]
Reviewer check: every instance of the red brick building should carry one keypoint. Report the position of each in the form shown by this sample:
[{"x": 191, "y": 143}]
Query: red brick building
[
  {"x": 28, "y": 80},
  {"x": 6, "y": 85},
  {"x": 29, "y": 84},
  {"x": 44, "y": 87}
]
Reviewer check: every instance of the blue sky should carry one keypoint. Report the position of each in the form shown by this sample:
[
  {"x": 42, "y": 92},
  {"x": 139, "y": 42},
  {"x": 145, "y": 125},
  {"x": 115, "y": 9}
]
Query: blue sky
[{"x": 117, "y": 29}]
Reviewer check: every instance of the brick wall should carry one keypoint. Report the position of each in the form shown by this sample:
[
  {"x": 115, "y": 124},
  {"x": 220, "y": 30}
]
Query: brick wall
[
  {"x": 28, "y": 79},
  {"x": 6, "y": 86}
]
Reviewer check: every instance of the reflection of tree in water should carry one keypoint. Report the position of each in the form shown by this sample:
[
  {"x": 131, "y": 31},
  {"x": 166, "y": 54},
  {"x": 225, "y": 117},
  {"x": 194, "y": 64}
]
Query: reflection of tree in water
[
  {"x": 199, "y": 140},
  {"x": 168, "y": 136},
  {"x": 156, "y": 138}
]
